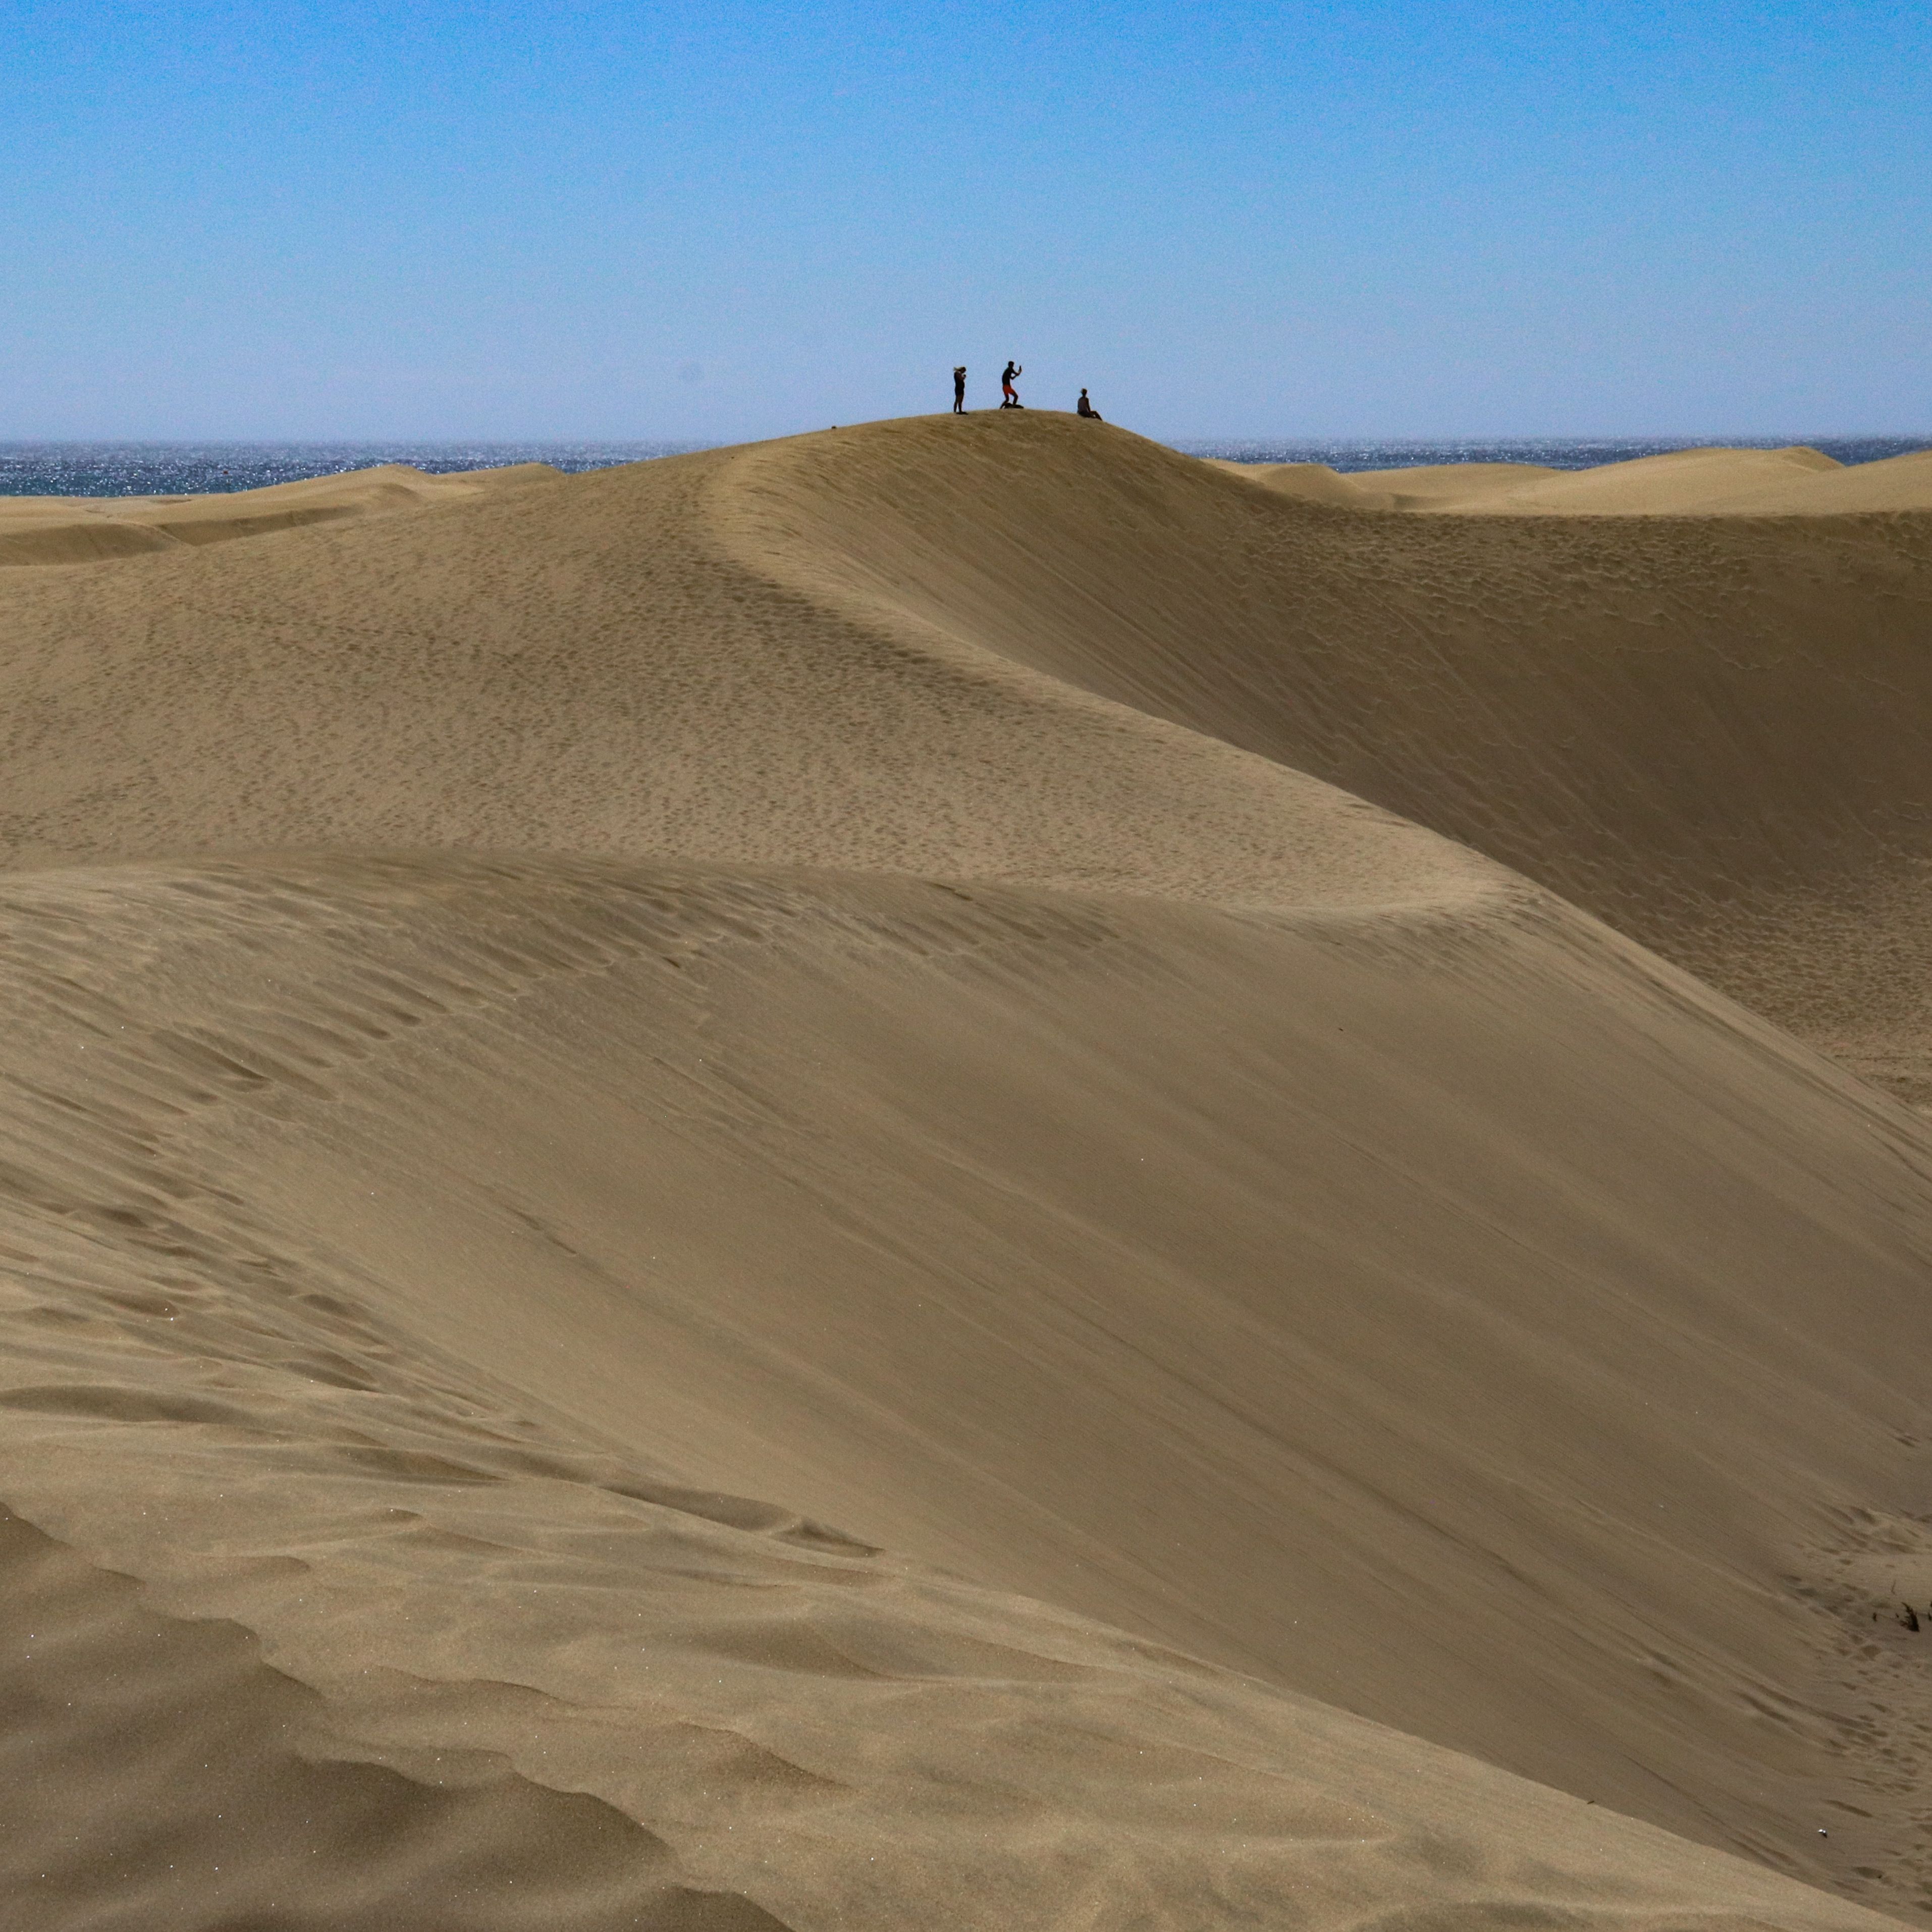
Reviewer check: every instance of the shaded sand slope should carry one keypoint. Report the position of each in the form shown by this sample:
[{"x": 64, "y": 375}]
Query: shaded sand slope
[
  {"x": 1114, "y": 1173},
  {"x": 1717, "y": 733},
  {"x": 436, "y": 1289}
]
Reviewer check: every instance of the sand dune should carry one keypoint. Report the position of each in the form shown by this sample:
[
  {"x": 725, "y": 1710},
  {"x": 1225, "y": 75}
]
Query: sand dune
[
  {"x": 1717, "y": 482},
  {"x": 1689, "y": 482},
  {"x": 1435, "y": 486},
  {"x": 1715, "y": 733},
  {"x": 563, "y": 1040},
  {"x": 86, "y": 530}
]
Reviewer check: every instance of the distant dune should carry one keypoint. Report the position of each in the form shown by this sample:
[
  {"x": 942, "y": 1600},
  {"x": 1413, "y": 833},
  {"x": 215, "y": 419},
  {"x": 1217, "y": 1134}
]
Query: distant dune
[
  {"x": 957, "y": 1175},
  {"x": 1686, "y": 482},
  {"x": 85, "y": 529}
]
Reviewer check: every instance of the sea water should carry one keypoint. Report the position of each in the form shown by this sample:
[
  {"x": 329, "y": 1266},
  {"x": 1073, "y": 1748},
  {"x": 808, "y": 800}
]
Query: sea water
[
  {"x": 207, "y": 469},
  {"x": 194, "y": 470}
]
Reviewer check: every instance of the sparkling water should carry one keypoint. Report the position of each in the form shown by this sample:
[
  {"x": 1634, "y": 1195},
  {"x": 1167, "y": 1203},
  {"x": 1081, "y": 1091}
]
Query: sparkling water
[{"x": 204, "y": 469}]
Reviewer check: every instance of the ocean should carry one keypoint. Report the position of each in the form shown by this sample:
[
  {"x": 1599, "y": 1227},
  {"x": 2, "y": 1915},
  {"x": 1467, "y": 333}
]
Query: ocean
[
  {"x": 200, "y": 469},
  {"x": 208, "y": 468}
]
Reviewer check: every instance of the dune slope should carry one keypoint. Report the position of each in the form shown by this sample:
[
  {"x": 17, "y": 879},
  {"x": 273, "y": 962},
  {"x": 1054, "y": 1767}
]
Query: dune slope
[
  {"x": 1715, "y": 733},
  {"x": 1204, "y": 1243}
]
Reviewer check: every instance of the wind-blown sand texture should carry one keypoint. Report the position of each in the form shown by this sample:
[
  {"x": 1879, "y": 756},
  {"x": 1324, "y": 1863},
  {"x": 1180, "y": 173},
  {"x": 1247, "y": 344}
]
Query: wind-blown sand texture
[{"x": 933, "y": 1176}]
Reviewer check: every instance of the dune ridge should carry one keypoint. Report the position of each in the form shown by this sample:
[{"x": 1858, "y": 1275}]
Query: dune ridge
[
  {"x": 1711, "y": 732},
  {"x": 568, "y": 1040}
]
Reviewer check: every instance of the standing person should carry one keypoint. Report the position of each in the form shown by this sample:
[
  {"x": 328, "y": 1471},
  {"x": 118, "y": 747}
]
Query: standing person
[
  {"x": 1012, "y": 394},
  {"x": 1085, "y": 408},
  {"x": 959, "y": 391}
]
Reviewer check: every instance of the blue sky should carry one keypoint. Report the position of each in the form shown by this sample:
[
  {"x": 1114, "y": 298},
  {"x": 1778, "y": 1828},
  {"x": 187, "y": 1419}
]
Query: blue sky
[{"x": 712, "y": 222}]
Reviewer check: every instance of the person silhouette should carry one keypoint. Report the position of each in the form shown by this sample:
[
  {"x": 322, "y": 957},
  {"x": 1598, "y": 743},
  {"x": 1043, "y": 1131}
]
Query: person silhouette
[
  {"x": 1085, "y": 408},
  {"x": 1012, "y": 394},
  {"x": 959, "y": 391}
]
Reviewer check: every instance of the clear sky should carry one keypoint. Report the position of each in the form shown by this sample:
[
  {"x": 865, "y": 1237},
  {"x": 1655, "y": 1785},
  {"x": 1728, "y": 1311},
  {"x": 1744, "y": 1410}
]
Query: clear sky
[{"x": 277, "y": 218}]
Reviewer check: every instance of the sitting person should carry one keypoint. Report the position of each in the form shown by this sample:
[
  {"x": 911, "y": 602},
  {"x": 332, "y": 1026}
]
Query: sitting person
[{"x": 1085, "y": 408}]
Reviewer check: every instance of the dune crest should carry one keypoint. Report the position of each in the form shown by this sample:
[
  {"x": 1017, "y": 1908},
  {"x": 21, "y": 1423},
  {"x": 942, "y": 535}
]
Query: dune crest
[
  {"x": 1713, "y": 732},
  {"x": 781, "y": 1188}
]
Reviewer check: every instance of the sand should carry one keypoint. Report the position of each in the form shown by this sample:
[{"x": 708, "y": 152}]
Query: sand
[
  {"x": 955, "y": 1173},
  {"x": 85, "y": 529},
  {"x": 1796, "y": 481}
]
